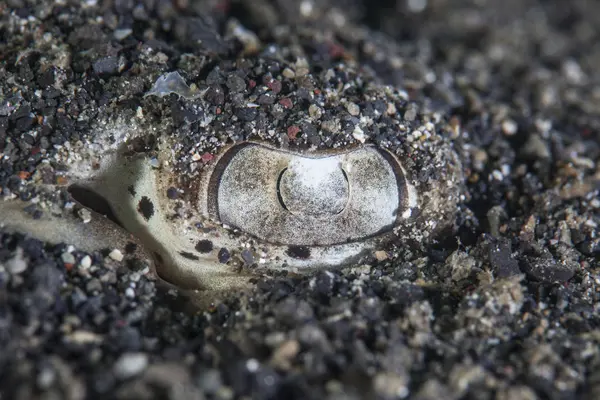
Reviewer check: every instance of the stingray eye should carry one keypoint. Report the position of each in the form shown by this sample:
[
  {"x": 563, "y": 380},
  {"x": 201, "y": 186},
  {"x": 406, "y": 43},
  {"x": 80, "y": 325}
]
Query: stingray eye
[{"x": 295, "y": 199}]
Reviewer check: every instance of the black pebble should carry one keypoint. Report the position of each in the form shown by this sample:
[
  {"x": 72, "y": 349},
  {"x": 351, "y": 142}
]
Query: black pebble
[
  {"x": 172, "y": 193},
  {"x": 546, "y": 269},
  {"x": 224, "y": 255},
  {"x": 106, "y": 66},
  {"x": 235, "y": 83},
  {"x": 248, "y": 257},
  {"x": 215, "y": 95},
  {"x": 501, "y": 260},
  {"x": 246, "y": 114}
]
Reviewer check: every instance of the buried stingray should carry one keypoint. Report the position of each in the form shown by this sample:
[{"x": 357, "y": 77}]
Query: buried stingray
[{"x": 209, "y": 212}]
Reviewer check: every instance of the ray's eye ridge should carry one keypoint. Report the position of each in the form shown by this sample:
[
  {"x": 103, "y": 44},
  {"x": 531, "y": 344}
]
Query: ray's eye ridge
[{"x": 295, "y": 199}]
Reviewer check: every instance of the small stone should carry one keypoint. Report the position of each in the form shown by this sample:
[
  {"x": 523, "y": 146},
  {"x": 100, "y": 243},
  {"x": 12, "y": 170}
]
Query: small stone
[
  {"x": 130, "y": 365},
  {"x": 154, "y": 163},
  {"x": 301, "y": 66},
  {"x": 288, "y": 73},
  {"x": 224, "y": 255},
  {"x": 172, "y": 193},
  {"x": 215, "y": 95},
  {"x": 497, "y": 175},
  {"x": 494, "y": 216},
  {"x": 286, "y": 102},
  {"x": 391, "y": 386},
  {"x": 266, "y": 98},
  {"x": 293, "y": 131},
  {"x": 121, "y": 34},
  {"x": 106, "y": 66},
  {"x": 67, "y": 258},
  {"x": 509, "y": 127},
  {"x": 331, "y": 125},
  {"x": 527, "y": 232},
  {"x": 416, "y": 6},
  {"x": 235, "y": 83},
  {"x": 116, "y": 255},
  {"x": 358, "y": 134},
  {"x": 84, "y": 337},
  {"x": 93, "y": 286},
  {"x": 245, "y": 36},
  {"x": 283, "y": 356},
  {"x": 501, "y": 260},
  {"x": 391, "y": 109},
  {"x": 274, "y": 85},
  {"x": 546, "y": 269},
  {"x": 85, "y": 262},
  {"x": 411, "y": 113},
  {"x": 170, "y": 375},
  {"x": 353, "y": 109},
  {"x": 381, "y": 255},
  {"x": 314, "y": 111},
  {"x": 405, "y": 293},
  {"x": 460, "y": 265},
  {"x": 17, "y": 264},
  {"x": 85, "y": 215},
  {"x": 536, "y": 148},
  {"x": 248, "y": 257},
  {"x": 46, "y": 377},
  {"x": 207, "y": 157},
  {"x": 246, "y": 114},
  {"x": 210, "y": 381}
]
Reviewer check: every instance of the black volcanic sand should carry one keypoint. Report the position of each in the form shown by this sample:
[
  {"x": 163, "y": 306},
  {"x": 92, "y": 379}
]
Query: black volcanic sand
[{"x": 508, "y": 308}]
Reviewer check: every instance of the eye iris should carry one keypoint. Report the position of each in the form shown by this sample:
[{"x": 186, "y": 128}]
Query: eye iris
[
  {"x": 314, "y": 187},
  {"x": 294, "y": 199}
]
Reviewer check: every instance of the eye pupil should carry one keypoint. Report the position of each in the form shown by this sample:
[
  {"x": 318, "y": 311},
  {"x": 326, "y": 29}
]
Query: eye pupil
[
  {"x": 279, "y": 197},
  {"x": 313, "y": 187}
]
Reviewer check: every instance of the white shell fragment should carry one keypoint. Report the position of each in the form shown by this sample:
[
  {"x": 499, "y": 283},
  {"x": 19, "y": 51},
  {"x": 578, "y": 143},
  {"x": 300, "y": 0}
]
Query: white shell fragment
[{"x": 172, "y": 82}]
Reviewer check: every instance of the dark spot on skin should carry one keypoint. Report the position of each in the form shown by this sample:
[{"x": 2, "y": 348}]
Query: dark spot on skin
[
  {"x": 204, "y": 246},
  {"x": 224, "y": 255},
  {"x": 300, "y": 252},
  {"x": 189, "y": 256},
  {"x": 146, "y": 208},
  {"x": 172, "y": 193},
  {"x": 131, "y": 190},
  {"x": 130, "y": 248}
]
